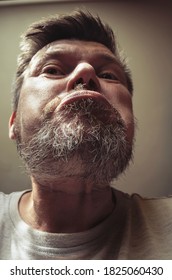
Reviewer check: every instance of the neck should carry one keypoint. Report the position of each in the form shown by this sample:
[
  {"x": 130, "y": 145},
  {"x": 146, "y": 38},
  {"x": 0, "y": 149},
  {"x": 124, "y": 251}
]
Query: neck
[{"x": 71, "y": 206}]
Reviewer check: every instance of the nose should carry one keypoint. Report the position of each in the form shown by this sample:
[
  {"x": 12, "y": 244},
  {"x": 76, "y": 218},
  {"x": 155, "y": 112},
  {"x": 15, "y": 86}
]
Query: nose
[{"x": 83, "y": 75}]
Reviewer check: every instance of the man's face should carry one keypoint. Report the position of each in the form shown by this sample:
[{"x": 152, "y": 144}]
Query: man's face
[{"x": 75, "y": 112}]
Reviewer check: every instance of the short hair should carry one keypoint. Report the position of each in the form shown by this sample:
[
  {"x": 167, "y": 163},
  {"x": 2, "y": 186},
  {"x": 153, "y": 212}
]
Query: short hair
[{"x": 79, "y": 26}]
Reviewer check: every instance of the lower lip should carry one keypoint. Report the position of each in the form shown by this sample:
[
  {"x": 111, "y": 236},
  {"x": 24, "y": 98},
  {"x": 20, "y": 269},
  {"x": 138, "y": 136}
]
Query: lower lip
[{"x": 84, "y": 94}]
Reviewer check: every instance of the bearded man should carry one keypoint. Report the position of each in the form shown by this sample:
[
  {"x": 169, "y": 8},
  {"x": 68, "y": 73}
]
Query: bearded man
[{"x": 73, "y": 125}]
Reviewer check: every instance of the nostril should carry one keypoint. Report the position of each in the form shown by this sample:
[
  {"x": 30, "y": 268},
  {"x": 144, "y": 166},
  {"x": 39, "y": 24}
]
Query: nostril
[
  {"x": 92, "y": 85},
  {"x": 78, "y": 82}
]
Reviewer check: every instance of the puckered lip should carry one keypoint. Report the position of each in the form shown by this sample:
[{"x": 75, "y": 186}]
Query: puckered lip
[{"x": 83, "y": 94}]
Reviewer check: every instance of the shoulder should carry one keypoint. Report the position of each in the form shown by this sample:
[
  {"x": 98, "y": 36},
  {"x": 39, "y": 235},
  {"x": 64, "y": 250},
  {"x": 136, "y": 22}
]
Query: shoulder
[
  {"x": 155, "y": 210},
  {"x": 147, "y": 226},
  {"x": 136, "y": 199},
  {"x": 4, "y": 206},
  {"x": 6, "y": 200},
  {"x": 153, "y": 203}
]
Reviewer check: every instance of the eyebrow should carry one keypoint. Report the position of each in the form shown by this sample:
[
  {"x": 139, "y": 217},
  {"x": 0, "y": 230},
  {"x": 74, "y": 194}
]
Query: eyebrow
[{"x": 109, "y": 58}]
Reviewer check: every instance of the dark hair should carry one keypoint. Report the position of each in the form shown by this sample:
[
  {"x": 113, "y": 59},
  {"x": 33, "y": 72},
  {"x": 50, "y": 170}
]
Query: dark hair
[{"x": 78, "y": 25}]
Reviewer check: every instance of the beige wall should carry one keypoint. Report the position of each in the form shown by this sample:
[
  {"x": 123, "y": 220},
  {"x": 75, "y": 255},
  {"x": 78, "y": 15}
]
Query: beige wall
[{"x": 144, "y": 31}]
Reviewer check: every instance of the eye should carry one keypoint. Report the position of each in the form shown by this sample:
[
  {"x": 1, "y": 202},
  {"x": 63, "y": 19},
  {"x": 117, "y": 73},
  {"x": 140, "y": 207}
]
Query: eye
[
  {"x": 108, "y": 76},
  {"x": 52, "y": 70}
]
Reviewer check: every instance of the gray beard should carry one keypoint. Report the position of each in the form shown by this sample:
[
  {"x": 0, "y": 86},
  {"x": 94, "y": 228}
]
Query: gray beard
[{"x": 76, "y": 143}]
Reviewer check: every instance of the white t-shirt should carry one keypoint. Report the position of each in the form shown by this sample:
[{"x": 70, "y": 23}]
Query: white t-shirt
[{"x": 138, "y": 228}]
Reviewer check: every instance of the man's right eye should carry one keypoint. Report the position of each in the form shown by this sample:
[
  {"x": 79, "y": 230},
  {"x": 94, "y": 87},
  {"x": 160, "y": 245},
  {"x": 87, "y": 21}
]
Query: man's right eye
[{"x": 52, "y": 71}]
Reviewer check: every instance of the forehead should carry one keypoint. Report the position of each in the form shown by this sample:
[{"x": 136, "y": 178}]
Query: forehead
[{"x": 76, "y": 49}]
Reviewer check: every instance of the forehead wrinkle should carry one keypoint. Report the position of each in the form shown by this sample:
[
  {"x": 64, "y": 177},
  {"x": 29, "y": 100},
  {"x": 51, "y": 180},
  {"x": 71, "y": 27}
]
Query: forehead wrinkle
[
  {"x": 72, "y": 47},
  {"x": 69, "y": 55}
]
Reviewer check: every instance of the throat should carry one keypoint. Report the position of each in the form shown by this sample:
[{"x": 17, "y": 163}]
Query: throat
[{"x": 59, "y": 212}]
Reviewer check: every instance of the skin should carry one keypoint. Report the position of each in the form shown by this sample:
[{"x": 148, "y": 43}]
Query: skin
[{"x": 71, "y": 205}]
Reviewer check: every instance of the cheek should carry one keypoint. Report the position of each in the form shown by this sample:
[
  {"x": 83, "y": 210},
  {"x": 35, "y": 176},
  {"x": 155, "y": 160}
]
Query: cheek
[
  {"x": 126, "y": 113},
  {"x": 35, "y": 95},
  {"x": 121, "y": 100},
  {"x": 125, "y": 108},
  {"x": 37, "y": 92}
]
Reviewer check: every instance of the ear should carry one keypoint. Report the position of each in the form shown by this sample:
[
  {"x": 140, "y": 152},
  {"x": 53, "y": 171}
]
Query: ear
[{"x": 11, "y": 126}]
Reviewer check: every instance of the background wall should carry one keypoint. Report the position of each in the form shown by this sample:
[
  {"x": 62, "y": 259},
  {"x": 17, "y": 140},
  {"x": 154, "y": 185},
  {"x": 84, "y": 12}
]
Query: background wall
[{"x": 144, "y": 31}]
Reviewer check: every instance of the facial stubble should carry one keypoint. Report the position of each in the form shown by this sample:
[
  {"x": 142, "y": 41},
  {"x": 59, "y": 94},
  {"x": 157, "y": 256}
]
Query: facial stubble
[{"x": 76, "y": 142}]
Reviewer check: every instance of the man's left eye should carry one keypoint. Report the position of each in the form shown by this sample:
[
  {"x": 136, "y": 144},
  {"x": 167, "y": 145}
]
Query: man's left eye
[{"x": 108, "y": 76}]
